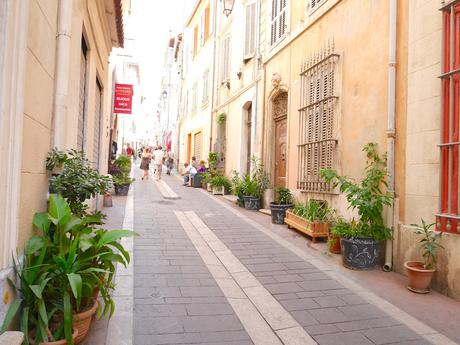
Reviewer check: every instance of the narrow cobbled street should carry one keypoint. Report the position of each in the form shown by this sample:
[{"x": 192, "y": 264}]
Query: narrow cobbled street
[{"x": 204, "y": 273}]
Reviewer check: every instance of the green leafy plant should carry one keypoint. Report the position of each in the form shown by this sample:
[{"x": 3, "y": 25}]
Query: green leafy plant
[
  {"x": 283, "y": 196},
  {"x": 220, "y": 181},
  {"x": 221, "y": 118},
  {"x": 122, "y": 180},
  {"x": 369, "y": 196},
  {"x": 314, "y": 211},
  {"x": 77, "y": 180},
  {"x": 213, "y": 159},
  {"x": 428, "y": 243},
  {"x": 123, "y": 162},
  {"x": 257, "y": 182}
]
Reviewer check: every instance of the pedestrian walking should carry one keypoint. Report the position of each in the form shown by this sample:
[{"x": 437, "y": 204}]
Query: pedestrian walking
[
  {"x": 129, "y": 151},
  {"x": 158, "y": 157},
  {"x": 145, "y": 162},
  {"x": 170, "y": 162}
]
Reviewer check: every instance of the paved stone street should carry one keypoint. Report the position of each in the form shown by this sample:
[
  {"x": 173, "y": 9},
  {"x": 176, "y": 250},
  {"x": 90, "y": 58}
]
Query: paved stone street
[{"x": 205, "y": 274}]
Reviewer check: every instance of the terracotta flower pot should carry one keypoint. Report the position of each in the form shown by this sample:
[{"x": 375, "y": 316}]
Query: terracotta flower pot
[
  {"x": 58, "y": 342},
  {"x": 82, "y": 322},
  {"x": 419, "y": 277},
  {"x": 334, "y": 244}
]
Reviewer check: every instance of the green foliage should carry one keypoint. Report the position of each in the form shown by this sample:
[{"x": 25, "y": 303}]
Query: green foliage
[
  {"x": 237, "y": 186},
  {"x": 283, "y": 196},
  {"x": 122, "y": 180},
  {"x": 123, "y": 162},
  {"x": 213, "y": 158},
  {"x": 221, "y": 181},
  {"x": 77, "y": 180},
  {"x": 121, "y": 169},
  {"x": 369, "y": 196},
  {"x": 428, "y": 243},
  {"x": 62, "y": 267},
  {"x": 314, "y": 211},
  {"x": 221, "y": 118}
]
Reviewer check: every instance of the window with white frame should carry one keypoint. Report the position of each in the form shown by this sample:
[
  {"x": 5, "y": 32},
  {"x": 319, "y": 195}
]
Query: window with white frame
[
  {"x": 278, "y": 21},
  {"x": 205, "y": 87},
  {"x": 317, "y": 118},
  {"x": 249, "y": 42},
  {"x": 225, "y": 60}
]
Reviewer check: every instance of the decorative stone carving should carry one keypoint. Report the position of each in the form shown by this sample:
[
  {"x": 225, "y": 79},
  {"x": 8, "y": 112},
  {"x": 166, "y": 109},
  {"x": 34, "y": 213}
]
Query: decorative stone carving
[
  {"x": 276, "y": 80},
  {"x": 280, "y": 105}
]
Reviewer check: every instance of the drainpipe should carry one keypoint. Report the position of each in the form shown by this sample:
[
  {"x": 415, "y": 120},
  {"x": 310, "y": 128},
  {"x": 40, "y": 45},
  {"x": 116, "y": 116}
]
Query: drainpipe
[
  {"x": 254, "y": 114},
  {"x": 62, "y": 66},
  {"x": 213, "y": 91},
  {"x": 391, "y": 130}
]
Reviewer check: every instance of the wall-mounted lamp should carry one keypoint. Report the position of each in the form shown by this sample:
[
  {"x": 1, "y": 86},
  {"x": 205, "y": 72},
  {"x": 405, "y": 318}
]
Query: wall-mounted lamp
[
  {"x": 228, "y": 6},
  {"x": 164, "y": 94}
]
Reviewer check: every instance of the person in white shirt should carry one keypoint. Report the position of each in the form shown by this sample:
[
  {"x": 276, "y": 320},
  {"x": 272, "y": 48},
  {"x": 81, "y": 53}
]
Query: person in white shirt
[
  {"x": 189, "y": 173},
  {"x": 158, "y": 160}
]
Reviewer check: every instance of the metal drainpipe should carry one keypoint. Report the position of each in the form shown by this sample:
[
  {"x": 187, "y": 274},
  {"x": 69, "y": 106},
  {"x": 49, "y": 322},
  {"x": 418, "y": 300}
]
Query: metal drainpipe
[
  {"x": 391, "y": 130},
  {"x": 62, "y": 66},
  {"x": 254, "y": 114},
  {"x": 214, "y": 24}
]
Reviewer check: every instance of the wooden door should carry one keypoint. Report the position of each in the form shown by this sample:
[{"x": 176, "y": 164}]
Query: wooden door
[
  {"x": 280, "y": 152},
  {"x": 189, "y": 147}
]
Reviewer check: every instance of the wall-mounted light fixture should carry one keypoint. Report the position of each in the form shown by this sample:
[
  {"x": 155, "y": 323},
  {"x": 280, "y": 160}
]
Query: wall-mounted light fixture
[{"x": 228, "y": 6}]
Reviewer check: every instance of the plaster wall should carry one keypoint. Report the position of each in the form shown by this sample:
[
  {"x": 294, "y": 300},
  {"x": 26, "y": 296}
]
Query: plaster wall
[
  {"x": 361, "y": 81},
  {"x": 422, "y": 166}
]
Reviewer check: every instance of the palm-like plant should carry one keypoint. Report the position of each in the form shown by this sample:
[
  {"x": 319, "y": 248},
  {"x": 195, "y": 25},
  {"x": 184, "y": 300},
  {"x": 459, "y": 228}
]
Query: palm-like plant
[{"x": 428, "y": 243}]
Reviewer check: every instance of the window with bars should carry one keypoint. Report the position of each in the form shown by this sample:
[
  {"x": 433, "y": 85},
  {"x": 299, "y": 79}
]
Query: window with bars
[
  {"x": 225, "y": 60},
  {"x": 205, "y": 87},
  {"x": 449, "y": 215},
  {"x": 278, "y": 21},
  {"x": 249, "y": 42},
  {"x": 317, "y": 137}
]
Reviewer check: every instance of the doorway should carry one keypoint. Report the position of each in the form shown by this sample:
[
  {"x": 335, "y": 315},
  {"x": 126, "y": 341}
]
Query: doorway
[{"x": 280, "y": 105}]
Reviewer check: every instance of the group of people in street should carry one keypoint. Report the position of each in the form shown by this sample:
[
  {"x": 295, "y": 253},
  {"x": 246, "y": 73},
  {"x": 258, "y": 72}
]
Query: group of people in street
[
  {"x": 191, "y": 169},
  {"x": 155, "y": 155}
]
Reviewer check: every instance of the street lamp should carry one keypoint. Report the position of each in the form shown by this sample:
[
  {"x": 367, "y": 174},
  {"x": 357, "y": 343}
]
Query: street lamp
[
  {"x": 164, "y": 94},
  {"x": 228, "y": 6}
]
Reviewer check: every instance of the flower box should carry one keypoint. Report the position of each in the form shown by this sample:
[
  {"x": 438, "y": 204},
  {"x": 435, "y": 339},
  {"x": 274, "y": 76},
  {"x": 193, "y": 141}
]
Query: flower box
[
  {"x": 312, "y": 229},
  {"x": 220, "y": 190}
]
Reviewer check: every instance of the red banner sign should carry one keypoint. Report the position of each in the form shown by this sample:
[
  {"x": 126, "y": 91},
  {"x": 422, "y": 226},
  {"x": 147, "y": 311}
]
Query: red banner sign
[{"x": 123, "y": 99}]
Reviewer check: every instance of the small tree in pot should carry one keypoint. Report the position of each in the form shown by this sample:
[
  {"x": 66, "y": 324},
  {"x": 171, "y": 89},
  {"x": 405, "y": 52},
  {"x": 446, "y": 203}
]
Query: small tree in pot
[
  {"x": 255, "y": 185},
  {"x": 361, "y": 240},
  {"x": 282, "y": 202},
  {"x": 421, "y": 273},
  {"x": 120, "y": 170}
]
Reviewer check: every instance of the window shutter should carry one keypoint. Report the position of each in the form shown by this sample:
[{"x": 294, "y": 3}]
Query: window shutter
[
  {"x": 249, "y": 43},
  {"x": 197, "y": 141},
  {"x": 195, "y": 40},
  {"x": 225, "y": 59},
  {"x": 82, "y": 101},
  {"x": 278, "y": 23},
  {"x": 206, "y": 23},
  {"x": 274, "y": 21}
]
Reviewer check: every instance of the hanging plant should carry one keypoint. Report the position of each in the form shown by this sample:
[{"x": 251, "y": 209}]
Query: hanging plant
[{"x": 221, "y": 118}]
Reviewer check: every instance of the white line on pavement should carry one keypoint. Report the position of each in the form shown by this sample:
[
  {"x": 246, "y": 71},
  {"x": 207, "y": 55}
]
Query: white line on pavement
[
  {"x": 165, "y": 190},
  {"x": 263, "y": 317}
]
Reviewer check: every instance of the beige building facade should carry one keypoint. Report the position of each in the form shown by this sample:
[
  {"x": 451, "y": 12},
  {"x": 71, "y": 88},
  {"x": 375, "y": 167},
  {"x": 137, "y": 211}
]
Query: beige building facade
[{"x": 54, "y": 93}]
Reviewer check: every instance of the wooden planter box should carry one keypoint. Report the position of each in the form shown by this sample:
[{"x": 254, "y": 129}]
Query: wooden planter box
[{"x": 314, "y": 230}]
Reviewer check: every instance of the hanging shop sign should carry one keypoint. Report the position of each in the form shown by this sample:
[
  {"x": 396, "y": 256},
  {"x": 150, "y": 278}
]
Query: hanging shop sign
[{"x": 123, "y": 99}]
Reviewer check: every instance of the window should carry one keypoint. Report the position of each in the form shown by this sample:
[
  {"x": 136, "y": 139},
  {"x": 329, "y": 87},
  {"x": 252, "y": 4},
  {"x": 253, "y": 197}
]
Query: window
[
  {"x": 317, "y": 117},
  {"x": 195, "y": 41},
  {"x": 194, "y": 97},
  {"x": 249, "y": 42},
  {"x": 449, "y": 215},
  {"x": 205, "y": 86},
  {"x": 314, "y": 4},
  {"x": 206, "y": 24},
  {"x": 278, "y": 20},
  {"x": 225, "y": 60},
  {"x": 83, "y": 97}
]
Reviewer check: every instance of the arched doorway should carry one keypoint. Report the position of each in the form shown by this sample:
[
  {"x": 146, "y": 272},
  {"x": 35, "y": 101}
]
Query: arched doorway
[
  {"x": 246, "y": 137},
  {"x": 279, "y": 113}
]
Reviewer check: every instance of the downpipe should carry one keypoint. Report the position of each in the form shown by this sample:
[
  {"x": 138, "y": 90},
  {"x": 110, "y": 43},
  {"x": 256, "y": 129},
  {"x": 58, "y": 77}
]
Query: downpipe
[{"x": 391, "y": 130}]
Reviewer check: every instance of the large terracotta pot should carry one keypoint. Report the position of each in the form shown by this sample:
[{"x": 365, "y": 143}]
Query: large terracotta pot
[
  {"x": 59, "y": 342},
  {"x": 419, "y": 277},
  {"x": 82, "y": 322}
]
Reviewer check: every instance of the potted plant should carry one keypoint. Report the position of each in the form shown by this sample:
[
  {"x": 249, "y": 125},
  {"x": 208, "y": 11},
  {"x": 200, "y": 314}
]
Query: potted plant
[
  {"x": 237, "y": 188},
  {"x": 282, "y": 203},
  {"x": 254, "y": 185},
  {"x": 420, "y": 273},
  {"x": 75, "y": 179},
  {"x": 361, "y": 240},
  {"x": 220, "y": 184},
  {"x": 312, "y": 218},
  {"x": 120, "y": 170}
]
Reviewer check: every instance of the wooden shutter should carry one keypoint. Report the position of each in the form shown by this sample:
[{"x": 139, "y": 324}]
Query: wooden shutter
[
  {"x": 197, "y": 143},
  {"x": 274, "y": 16},
  {"x": 278, "y": 20},
  {"x": 97, "y": 125},
  {"x": 225, "y": 59},
  {"x": 206, "y": 23},
  {"x": 195, "y": 40},
  {"x": 249, "y": 43}
]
